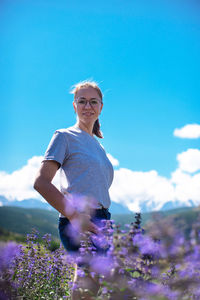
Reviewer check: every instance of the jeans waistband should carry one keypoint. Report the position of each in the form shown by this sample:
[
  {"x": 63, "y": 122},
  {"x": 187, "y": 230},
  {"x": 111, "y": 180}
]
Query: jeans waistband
[{"x": 102, "y": 209}]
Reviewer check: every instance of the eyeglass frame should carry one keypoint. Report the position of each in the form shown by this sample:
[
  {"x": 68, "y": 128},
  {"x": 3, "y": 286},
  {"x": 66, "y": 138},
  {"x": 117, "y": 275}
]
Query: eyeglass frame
[{"x": 99, "y": 101}]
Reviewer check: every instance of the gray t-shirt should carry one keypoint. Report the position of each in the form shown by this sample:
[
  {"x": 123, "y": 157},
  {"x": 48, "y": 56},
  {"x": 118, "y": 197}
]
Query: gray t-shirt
[{"x": 85, "y": 168}]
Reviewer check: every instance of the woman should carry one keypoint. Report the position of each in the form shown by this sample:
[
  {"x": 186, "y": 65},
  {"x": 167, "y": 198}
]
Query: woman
[{"x": 86, "y": 175}]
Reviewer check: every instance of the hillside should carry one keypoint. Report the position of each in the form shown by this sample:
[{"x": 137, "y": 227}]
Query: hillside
[
  {"x": 115, "y": 208},
  {"x": 20, "y": 221},
  {"x": 6, "y": 236},
  {"x": 183, "y": 212}
]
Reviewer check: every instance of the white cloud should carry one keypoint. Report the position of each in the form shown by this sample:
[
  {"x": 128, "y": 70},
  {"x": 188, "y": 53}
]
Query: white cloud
[
  {"x": 136, "y": 190},
  {"x": 190, "y": 131},
  {"x": 187, "y": 187},
  {"x": 113, "y": 160},
  {"x": 189, "y": 160},
  {"x": 140, "y": 190},
  {"x": 19, "y": 184}
]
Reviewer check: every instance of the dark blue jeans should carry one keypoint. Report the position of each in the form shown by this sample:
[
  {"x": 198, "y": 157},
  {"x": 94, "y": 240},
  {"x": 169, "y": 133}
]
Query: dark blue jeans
[{"x": 68, "y": 241}]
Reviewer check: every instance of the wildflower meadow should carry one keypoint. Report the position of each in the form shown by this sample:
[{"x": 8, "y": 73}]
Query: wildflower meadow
[{"x": 158, "y": 264}]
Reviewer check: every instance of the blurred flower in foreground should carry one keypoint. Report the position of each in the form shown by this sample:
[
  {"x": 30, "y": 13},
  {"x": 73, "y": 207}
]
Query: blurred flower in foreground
[
  {"x": 160, "y": 263},
  {"x": 8, "y": 252}
]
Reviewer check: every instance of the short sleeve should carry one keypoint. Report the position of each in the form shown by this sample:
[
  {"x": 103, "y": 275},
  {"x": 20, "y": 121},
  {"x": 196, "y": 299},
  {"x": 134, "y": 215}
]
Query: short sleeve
[{"x": 58, "y": 148}]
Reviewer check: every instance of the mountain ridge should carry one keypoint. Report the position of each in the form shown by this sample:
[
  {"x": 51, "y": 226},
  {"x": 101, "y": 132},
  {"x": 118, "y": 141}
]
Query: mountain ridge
[
  {"x": 22, "y": 220},
  {"x": 115, "y": 208}
]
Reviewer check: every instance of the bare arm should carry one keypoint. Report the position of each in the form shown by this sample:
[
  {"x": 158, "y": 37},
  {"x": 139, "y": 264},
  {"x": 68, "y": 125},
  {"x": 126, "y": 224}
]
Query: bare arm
[{"x": 43, "y": 184}]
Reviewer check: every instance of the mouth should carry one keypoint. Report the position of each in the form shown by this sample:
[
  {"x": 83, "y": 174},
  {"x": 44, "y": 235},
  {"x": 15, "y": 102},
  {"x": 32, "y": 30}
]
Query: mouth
[{"x": 88, "y": 114}]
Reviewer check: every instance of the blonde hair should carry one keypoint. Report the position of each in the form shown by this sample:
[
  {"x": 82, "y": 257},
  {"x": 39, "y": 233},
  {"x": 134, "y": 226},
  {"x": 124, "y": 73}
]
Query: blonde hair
[{"x": 85, "y": 84}]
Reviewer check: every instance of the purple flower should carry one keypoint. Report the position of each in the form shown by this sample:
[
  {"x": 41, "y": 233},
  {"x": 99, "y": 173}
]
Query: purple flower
[
  {"x": 146, "y": 244},
  {"x": 100, "y": 241},
  {"x": 8, "y": 252},
  {"x": 47, "y": 238},
  {"x": 80, "y": 273},
  {"x": 102, "y": 265}
]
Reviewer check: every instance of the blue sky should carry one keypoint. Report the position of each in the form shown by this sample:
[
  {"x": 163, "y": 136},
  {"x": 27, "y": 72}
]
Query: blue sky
[{"x": 144, "y": 54}]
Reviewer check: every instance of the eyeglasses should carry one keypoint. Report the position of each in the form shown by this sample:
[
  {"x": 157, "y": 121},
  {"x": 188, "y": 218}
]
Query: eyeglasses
[{"x": 93, "y": 102}]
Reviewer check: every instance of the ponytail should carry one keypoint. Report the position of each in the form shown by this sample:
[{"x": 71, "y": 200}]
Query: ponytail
[{"x": 96, "y": 129}]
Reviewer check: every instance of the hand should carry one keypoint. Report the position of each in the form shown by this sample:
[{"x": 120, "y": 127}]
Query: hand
[{"x": 81, "y": 222}]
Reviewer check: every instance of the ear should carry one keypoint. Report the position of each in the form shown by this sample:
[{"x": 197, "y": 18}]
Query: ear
[
  {"x": 101, "y": 107},
  {"x": 74, "y": 105}
]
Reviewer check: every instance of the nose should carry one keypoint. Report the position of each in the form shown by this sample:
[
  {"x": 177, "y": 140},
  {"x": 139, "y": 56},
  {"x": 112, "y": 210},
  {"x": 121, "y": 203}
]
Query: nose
[{"x": 87, "y": 105}]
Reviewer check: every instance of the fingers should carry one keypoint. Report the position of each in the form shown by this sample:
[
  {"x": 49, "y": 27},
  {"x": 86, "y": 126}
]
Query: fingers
[
  {"x": 83, "y": 223},
  {"x": 94, "y": 228}
]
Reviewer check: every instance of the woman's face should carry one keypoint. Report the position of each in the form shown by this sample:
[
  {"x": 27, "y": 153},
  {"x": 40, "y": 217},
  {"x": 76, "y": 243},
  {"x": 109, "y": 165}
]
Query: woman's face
[{"x": 87, "y": 104}]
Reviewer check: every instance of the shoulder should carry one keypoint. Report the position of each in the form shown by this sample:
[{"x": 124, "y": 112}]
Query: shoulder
[
  {"x": 60, "y": 135},
  {"x": 65, "y": 131},
  {"x": 67, "y": 134},
  {"x": 68, "y": 130}
]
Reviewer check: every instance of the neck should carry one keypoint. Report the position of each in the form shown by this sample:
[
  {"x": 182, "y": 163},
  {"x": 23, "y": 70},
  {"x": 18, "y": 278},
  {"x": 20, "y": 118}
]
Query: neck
[{"x": 85, "y": 127}]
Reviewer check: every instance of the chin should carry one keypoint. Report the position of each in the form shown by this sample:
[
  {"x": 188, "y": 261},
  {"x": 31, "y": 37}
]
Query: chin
[{"x": 89, "y": 118}]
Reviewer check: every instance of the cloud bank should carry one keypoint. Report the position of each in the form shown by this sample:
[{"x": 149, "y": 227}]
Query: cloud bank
[
  {"x": 190, "y": 131},
  {"x": 189, "y": 161},
  {"x": 19, "y": 184},
  {"x": 150, "y": 191},
  {"x": 139, "y": 191}
]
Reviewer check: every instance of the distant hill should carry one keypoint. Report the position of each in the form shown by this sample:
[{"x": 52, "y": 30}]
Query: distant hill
[
  {"x": 6, "y": 236},
  {"x": 21, "y": 220},
  {"x": 27, "y": 203},
  {"x": 115, "y": 208},
  {"x": 183, "y": 217}
]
